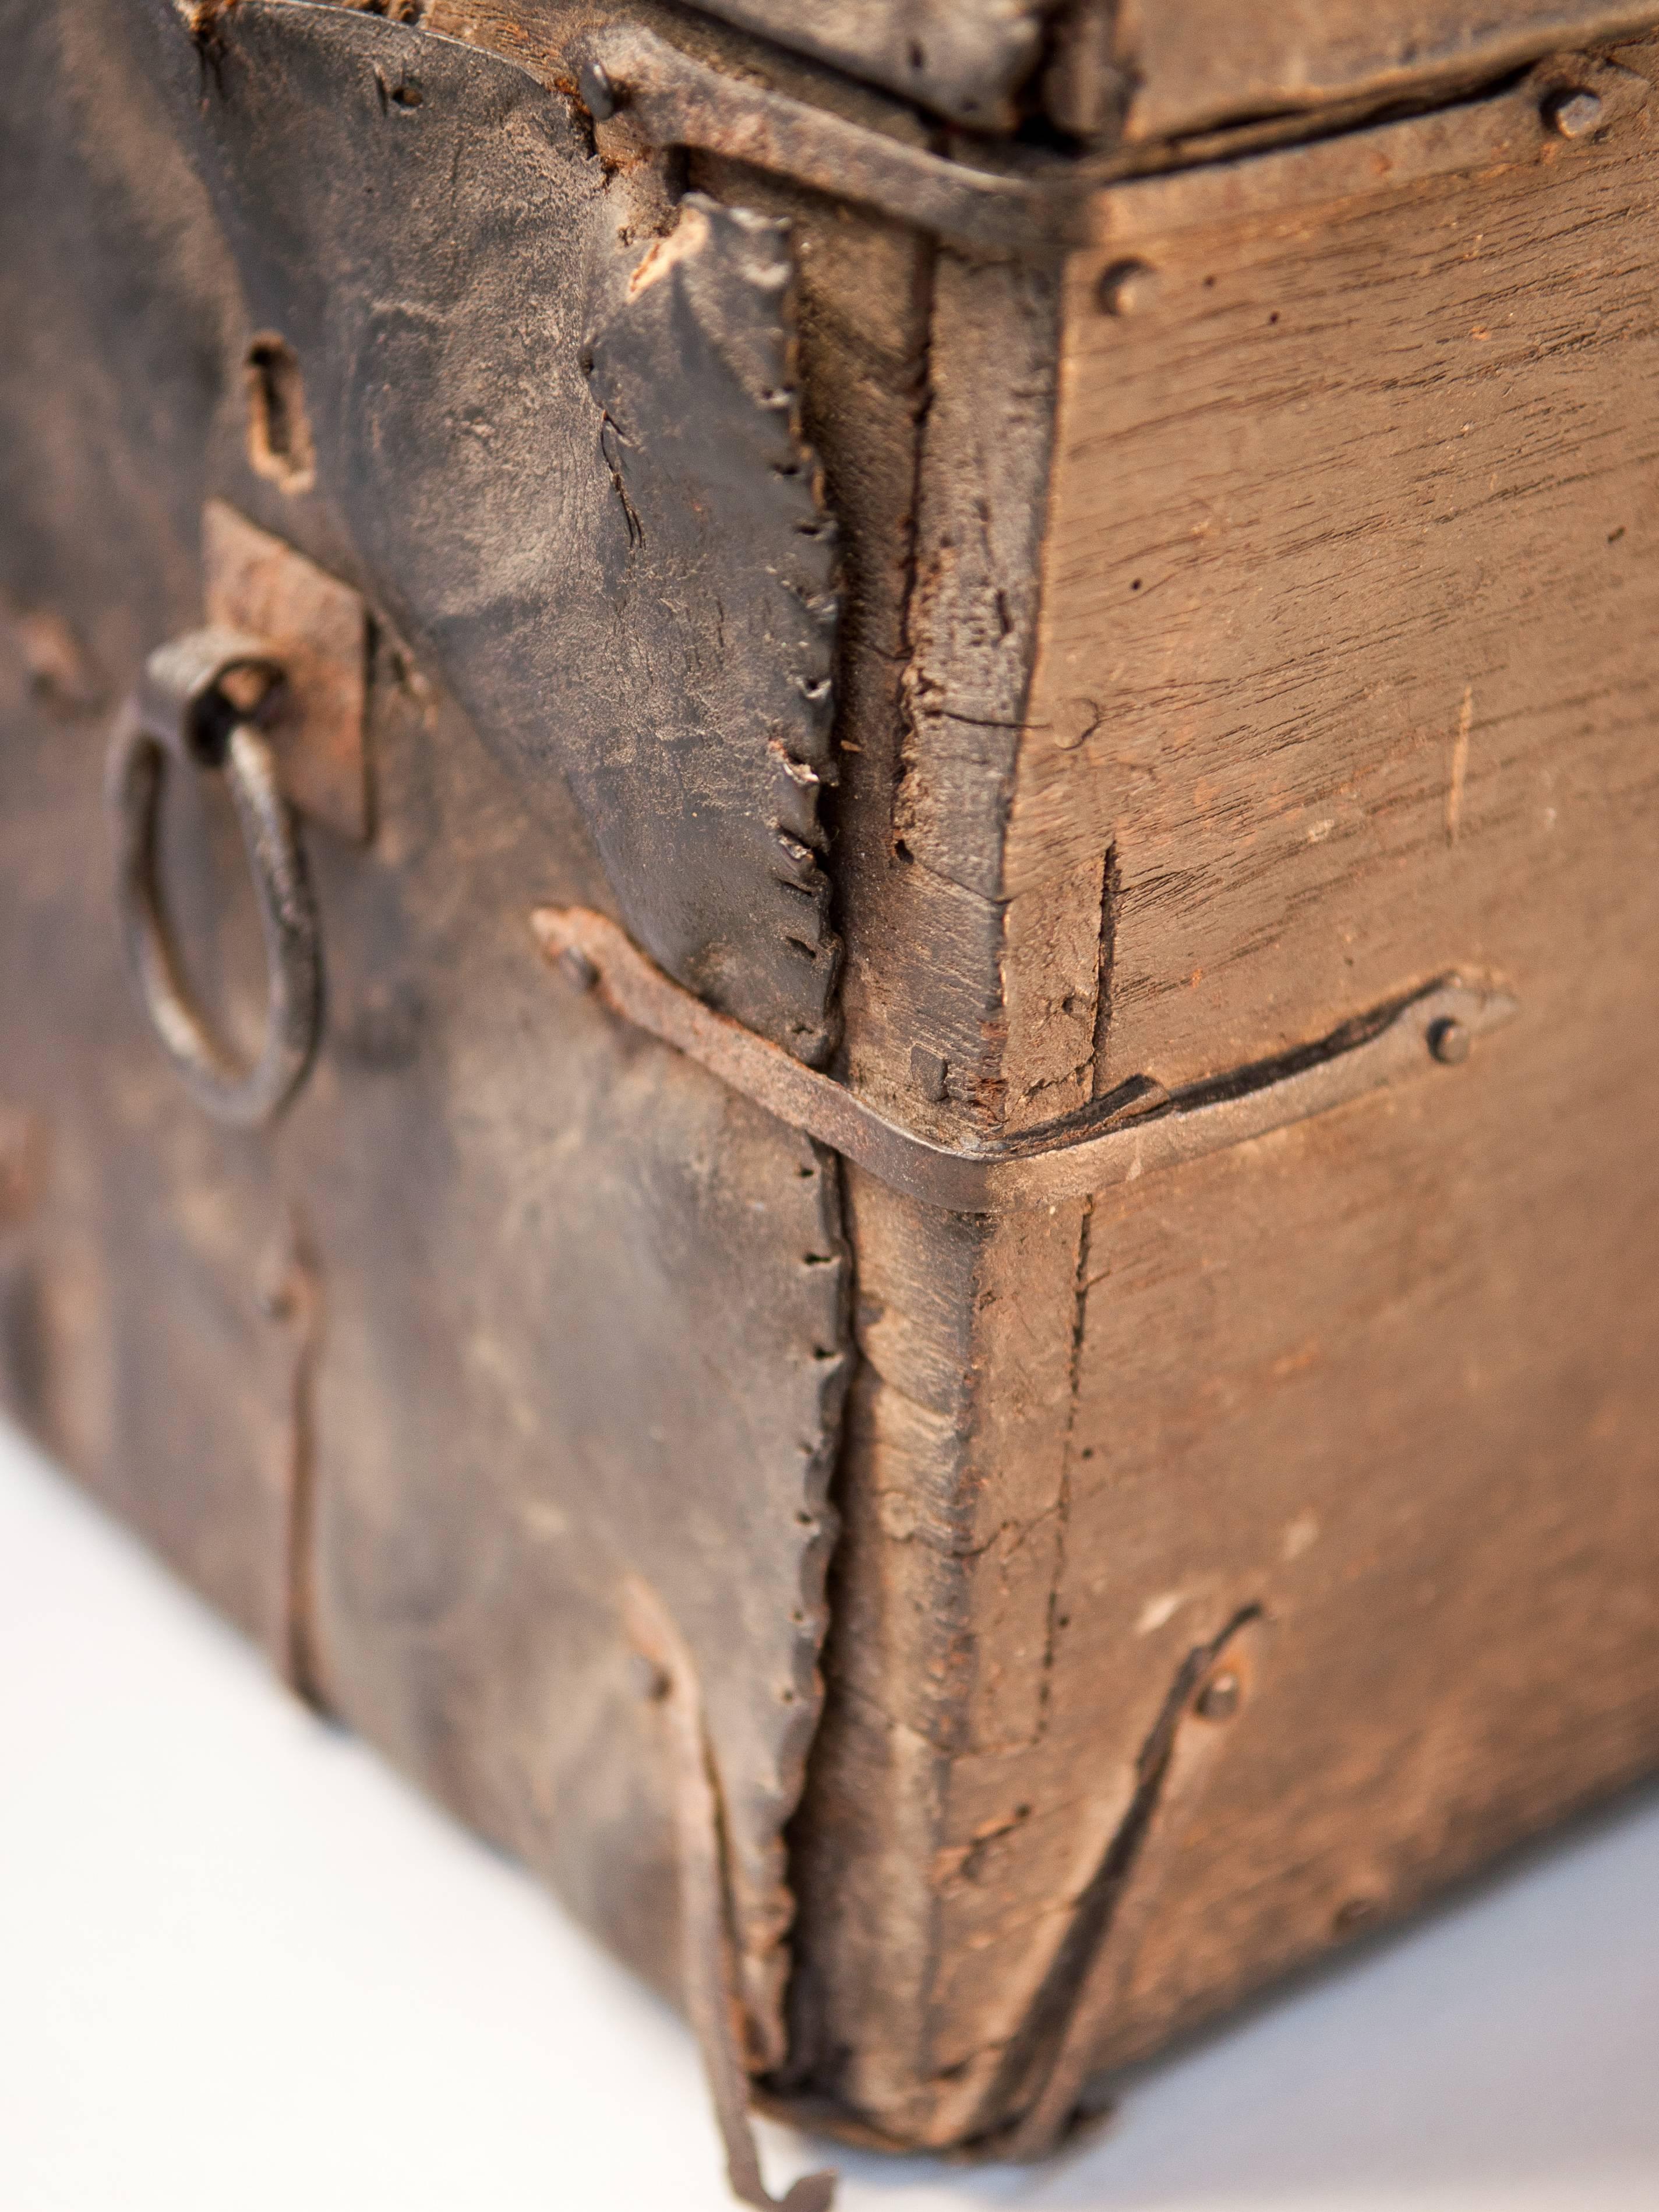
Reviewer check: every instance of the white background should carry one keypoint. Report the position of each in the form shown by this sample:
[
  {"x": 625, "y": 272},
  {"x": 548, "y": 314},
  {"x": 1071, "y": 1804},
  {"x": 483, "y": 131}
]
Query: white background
[{"x": 242, "y": 1968}]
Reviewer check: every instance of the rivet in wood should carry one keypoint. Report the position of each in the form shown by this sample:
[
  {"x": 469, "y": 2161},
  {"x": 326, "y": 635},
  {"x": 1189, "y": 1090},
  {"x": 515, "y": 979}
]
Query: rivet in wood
[
  {"x": 1073, "y": 720},
  {"x": 1572, "y": 112},
  {"x": 577, "y": 968},
  {"x": 1450, "y": 1041},
  {"x": 1220, "y": 1698},
  {"x": 1128, "y": 287},
  {"x": 599, "y": 94},
  {"x": 649, "y": 1682}
]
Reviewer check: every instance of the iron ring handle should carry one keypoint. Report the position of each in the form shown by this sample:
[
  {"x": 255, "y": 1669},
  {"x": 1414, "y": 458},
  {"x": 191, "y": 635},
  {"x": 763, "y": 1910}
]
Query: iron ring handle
[{"x": 180, "y": 713}]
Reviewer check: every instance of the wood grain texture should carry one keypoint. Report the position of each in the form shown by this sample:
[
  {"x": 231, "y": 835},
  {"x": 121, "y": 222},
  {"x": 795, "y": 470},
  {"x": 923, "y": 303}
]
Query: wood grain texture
[
  {"x": 1368, "y": 591},
  {"x": 1144, "y": 70},
  {"x": 1381, "y": 704},
  {"x": 948, "y": 1489},
  {"x": 1213, "y": 670},
  {"x": 1197, "y": 62},
  {"x": 937, "y": 1668},
  {"x": 967, "y": 59},
  {"x": 1390, "y": 1377},
  {"x": 930, "y": 1040},
  {"x": 1403, "y": 557}
]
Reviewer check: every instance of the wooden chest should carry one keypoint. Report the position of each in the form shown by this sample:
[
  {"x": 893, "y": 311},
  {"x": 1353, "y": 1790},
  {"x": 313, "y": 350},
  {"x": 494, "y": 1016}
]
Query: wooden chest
[{"x": 830, "y": 894}]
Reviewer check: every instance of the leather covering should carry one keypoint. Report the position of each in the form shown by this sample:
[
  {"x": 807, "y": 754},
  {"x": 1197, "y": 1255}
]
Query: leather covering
[
  {"x": 511, "y": 1303},
  {"x": 561, "y": 446}
]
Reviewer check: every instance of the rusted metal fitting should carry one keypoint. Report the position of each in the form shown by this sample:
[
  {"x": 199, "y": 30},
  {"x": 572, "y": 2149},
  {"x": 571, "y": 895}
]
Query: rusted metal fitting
[
  {"x": 1450, "y": 1041},
  {"x": 191, "y": 708},
  {"x": 595, "y": 90},
  {"x": 1127, "y": 286},
  {"x": 1220, "y": 1698},
  {"x": 577, "y": 968},
  {"x": 1141, "y": 1128},
  {"x": 1573, "y": 112}
]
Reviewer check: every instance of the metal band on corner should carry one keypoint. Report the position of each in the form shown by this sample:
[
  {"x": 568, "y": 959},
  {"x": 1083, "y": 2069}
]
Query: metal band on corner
[{"x": 1405, "y": 1038}]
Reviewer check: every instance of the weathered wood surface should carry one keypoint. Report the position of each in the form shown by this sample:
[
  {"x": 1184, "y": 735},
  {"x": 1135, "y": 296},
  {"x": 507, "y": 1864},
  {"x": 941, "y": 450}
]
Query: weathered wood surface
[
  {"x": 1194, "y": 63},
  {"x": 1229, "y": 644},
  {"x": 924, "y": 1018},
  {"x": 1369, "y": 622},
  {"x": 967, "y": 59},
  {"x": 1155, "y": 69},
  {"x": 1344, "y": 675},
  {"x": 1391, "y": 1378},
  {"x": 1348, "y": 541}
]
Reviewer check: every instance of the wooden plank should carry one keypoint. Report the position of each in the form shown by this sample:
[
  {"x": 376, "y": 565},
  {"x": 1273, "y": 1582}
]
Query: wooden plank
[
  {"x": 1166, "y": 69},
  {"x": 948, "y": 1484},
  {"x": 1351, "y": 542},
  {"x": 1391, "y": 453},
  {"x": 1389, "y": 1378},
  {"x": 965, "y": 58},
  {"x": 1362, "y": 610},
  {"x": 1195, "y": 64},
  {"x": 926, "y": 1029}
]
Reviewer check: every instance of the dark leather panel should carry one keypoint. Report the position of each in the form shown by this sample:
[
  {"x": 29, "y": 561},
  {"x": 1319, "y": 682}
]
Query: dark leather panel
[
  {"x": 626, "y": 578},
  {"x": 512, "y": 1303}
]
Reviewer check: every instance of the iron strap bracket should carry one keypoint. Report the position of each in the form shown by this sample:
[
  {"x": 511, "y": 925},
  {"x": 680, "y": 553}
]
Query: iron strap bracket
[
  {"x": 642, "y": 91},
  {"x": 655, "y": 93},
  {"x": 1138, "y": 1128}
]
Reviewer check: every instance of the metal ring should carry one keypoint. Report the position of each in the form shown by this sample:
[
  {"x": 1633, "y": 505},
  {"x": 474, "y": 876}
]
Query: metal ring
[{"x": 180, "y": 711}]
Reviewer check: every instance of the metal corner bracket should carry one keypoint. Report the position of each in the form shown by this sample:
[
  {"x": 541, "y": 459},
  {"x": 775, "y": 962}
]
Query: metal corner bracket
[
  {"x": 644, "y": 92},
  {"x": 1140, "y": 1128}
]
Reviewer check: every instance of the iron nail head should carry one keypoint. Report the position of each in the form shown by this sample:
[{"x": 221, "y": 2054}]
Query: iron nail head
[
  {"x": 1572, "y": 112},
  {"x": 1127, "y": 286},
  {"x": 599, "y": 94},
  {"x": 651, "y": 1685},
  {"x": 1220, "y": 1698},
  {"x": 1450, "y": 1040},
  {"x": 578, "y": 970}
]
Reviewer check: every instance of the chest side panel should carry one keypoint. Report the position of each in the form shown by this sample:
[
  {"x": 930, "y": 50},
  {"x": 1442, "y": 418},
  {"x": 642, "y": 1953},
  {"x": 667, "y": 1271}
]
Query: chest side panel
[
  {"x": 1347, "y": 681},
  {"x": 1344, "y": 678},
  {"x": 1349, "y": 592},
  {"x": 512, "y": 1302}
]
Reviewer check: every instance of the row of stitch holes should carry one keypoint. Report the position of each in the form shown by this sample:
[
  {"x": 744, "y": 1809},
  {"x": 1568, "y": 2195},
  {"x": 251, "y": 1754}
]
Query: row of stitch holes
[
  {"x": 817, "y": 1259},
  {"x": 803, "y": 1519},
  {"x": 808, "y": 1520},
  {"x": 274, "y": 416}
]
